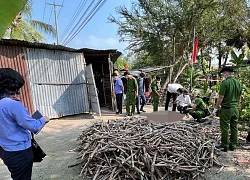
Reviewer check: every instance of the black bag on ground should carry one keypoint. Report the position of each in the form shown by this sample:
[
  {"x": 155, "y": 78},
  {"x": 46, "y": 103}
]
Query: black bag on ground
[
  {"x": 38, "y": 153},
  {"x": 207, "y": 113},
  {"x": 248, "y": 137}
]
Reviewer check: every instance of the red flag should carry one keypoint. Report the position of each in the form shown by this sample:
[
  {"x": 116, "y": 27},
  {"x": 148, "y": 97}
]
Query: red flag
[
  {"x": 195, "y": 49},
  {"x": 126, "y": 68}
]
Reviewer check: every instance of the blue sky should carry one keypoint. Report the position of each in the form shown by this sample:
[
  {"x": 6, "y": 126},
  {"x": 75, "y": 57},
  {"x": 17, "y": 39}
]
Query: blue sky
[{"x": 97, "y": 34}]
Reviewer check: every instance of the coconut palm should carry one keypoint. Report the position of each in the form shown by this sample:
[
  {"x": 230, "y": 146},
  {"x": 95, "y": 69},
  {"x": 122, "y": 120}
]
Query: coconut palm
[{"x": 23, "y": 27}]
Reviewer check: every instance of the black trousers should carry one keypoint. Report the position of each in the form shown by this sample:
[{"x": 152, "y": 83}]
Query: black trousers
[
  {"x": 183, "y": 109},
  {"x": 19, "y": 163},
  {"x": 119, "y": 102},
  {"x": 169, "y": 95}
]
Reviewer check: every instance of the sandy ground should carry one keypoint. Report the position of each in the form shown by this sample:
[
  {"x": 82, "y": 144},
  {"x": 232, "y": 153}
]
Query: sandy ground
[{"x": 59, "y": 136}]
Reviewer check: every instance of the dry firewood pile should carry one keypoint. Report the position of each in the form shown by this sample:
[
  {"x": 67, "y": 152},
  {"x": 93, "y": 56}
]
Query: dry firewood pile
[{"x": 136, "y": 149}]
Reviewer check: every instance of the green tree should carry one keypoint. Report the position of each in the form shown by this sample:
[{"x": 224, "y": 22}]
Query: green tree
[
  {"x": 164, "y": 29},
  {"x": 23, "y": 27},
  {"x": 121, "y": 62},
  {"x": 142, "y": 60}
]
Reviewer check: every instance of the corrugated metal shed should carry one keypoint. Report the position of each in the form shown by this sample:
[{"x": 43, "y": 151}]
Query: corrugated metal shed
[
  {"x": 57, "y": 73},
  {"x": 14, "y": 58},
  {"x": 102, "y": 63},
  {"x": 57, "y": 81}
]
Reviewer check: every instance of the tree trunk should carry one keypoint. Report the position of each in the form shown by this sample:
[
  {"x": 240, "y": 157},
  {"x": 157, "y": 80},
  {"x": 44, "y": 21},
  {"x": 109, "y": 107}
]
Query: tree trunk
[
  {"x": 226, "y": 58},
  {"x": 220, "y": 55},
  {"x": 179, "y": 72},
  {"x": 168, "y": 80}
]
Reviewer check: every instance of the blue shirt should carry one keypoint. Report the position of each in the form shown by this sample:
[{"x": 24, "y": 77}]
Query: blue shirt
[
  {"x": 140, "y": 86},
  {"x": 118, "y": 86},
  {"x": 15, "y": 124}
]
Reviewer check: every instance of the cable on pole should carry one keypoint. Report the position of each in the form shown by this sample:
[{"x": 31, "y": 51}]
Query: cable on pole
[{"x": 60, "y": 9}]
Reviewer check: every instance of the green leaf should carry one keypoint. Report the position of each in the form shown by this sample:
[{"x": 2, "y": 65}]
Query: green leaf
[
  {"x": 234, "y": 56},
  {"x": 241, "y": 57},
  {"x": 9, "y": 9}
]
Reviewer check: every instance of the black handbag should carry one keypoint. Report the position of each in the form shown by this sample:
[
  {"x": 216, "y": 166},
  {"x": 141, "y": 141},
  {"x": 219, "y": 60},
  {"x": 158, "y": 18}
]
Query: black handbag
[
  {"x": 207, "y": 113},
  {"x": 38, "y": 153}
]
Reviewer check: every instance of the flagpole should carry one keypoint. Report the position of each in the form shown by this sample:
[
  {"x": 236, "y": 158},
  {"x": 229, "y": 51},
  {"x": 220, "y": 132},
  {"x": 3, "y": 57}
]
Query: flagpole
[{"x": 192, "y": 65}]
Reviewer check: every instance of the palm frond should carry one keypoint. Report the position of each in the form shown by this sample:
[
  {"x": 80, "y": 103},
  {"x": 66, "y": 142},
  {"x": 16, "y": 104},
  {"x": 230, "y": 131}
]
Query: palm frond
[
  {"x": 7, "y": 33},
  {"x": 30, "y": 33},
  {"x": 27, "y": 10},
  {"x": 16, "y": 33},
  {"x": 43, "y": 27}
]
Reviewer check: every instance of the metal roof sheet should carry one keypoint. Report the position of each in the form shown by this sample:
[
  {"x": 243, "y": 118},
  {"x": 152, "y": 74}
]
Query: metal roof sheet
[{"x": 90, "y": 52}]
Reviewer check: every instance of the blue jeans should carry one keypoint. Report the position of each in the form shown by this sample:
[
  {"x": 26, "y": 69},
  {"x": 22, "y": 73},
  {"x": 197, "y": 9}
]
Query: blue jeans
[{"x": 142, "y": 99}]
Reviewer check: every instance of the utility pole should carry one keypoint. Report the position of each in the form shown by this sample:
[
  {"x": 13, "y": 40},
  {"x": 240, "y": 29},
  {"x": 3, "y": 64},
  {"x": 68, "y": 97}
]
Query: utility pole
[{"x": 54, "y": 6}]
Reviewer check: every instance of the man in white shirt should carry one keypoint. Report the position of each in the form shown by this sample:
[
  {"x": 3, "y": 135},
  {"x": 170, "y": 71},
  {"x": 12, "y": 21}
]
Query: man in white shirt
[
  {"x": 183, "y": 102},
  {"x": 172, "y": 91}
]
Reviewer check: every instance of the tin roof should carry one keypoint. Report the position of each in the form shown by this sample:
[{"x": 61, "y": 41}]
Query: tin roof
[
  {"x": 86, "y": 51},
  {"x": 114, "y": 54},
  {"x": 14, "y": 42}
]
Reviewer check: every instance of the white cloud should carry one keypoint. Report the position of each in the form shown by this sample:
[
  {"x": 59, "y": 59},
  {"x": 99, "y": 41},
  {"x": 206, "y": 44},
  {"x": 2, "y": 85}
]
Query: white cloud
[{"x": 94, "y": 42}]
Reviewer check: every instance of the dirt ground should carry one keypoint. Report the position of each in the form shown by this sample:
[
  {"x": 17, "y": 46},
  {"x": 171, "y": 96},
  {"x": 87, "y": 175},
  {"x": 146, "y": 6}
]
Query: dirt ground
[{"x": 59, "y": 136}]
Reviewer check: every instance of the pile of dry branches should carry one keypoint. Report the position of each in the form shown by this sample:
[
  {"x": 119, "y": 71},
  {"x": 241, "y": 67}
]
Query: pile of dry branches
[{"x": 136, "y": 149}]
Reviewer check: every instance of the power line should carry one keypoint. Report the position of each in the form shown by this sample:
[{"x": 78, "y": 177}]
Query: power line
[
  {"x": 74, "y": 17},
  {"x": 79, "y": 20},
  {"x": 48, "y": 23},
  {"x": 54, "y": 7},
  {"x": 44, "y": 9},
  {"x": 60, "y": 9},
  {"x": 86, "y": 20},
  {"x": 50, "y": 15}
]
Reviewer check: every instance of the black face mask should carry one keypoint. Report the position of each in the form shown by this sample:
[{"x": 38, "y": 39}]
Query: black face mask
[{"x": 6, "y": 95}]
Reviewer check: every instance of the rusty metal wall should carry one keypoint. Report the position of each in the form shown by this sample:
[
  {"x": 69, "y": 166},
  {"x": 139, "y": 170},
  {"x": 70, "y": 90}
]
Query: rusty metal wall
[
  {"x": 13, "y": 57},
  {"x": 57, "y": 82}
]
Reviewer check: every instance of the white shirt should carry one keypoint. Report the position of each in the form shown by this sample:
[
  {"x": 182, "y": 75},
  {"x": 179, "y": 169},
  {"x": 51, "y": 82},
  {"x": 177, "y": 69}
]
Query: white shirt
[
  {"x": 183, "y": 100},
  {"x": 172, "y": 88}
]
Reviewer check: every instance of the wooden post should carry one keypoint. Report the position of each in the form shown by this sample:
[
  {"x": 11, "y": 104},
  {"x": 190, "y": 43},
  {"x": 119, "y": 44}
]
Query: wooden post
[
  {"x": 113, "y": 100},
  {"x": 103, "y": 86}
]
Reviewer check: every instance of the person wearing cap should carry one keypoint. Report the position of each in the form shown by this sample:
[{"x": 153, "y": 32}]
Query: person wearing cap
[
  {"x": 172, "y": 91},
  {"x": 141, "y": 94},
  {"x": 156, "y": 87},
  {"x": 116, "y": 72},
  {"x": 228, "y": 100},
  {"x": 16, "y": 127},
  {"x": 132, "y": 93},
  {"x": 119, "y": 89}
]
